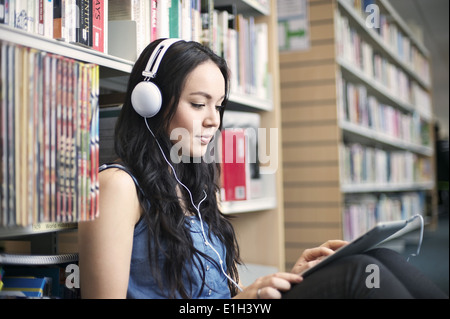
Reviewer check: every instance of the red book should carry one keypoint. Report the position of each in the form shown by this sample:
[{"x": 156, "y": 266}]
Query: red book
[
  {"x": 98, "y": 26},
  {"x": 153, "y": 20},
  {"x": 234, "y": 185},
  {"x": 41, "y": 18}
]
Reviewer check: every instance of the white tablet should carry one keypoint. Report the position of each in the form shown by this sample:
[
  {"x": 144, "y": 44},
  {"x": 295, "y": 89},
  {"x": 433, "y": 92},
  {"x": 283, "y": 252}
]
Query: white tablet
[{"x": 376, "y": 235}]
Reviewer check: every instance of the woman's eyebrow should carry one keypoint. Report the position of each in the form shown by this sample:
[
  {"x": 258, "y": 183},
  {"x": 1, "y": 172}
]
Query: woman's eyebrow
[{"x": 206, "y": 95}]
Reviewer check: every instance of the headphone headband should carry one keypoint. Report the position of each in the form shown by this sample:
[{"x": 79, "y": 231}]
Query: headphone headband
[{"x": 155, "y": 59}]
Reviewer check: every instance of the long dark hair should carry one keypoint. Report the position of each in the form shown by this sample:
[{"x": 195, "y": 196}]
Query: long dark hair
[{"x": 138, "y": 151}]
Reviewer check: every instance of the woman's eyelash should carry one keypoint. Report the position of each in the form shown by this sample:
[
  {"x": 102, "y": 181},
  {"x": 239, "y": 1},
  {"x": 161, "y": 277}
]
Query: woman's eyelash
[{"x": 199, "y": 105}]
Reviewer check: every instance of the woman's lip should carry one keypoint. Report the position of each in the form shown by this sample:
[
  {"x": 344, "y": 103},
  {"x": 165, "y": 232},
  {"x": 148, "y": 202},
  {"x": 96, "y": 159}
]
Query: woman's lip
[{"x": 205, "y": 139}]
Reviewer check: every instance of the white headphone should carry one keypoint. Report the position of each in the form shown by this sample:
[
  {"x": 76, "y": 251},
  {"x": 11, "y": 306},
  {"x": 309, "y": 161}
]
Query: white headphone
[{"x": 146, "y": 97}]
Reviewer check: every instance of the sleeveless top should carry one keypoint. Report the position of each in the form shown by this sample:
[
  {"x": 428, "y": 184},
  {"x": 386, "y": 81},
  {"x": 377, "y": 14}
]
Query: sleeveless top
[{"x": 142, "y": 285}]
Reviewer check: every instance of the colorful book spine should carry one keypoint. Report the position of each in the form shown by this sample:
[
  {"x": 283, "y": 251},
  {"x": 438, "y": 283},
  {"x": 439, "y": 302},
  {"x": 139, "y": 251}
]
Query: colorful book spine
[
  {"x": 233, "y": 161},
  {"x": 49, "y": 138},
  {"x": 98, "y": 23},
  {"x": 29, "y": 287},
  {"x": 84, "y": 26}
]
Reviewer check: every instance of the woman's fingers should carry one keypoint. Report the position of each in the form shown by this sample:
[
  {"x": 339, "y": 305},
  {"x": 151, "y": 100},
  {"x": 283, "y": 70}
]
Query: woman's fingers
[
  {"x": 312, "y": 256},
  {"x": 334, "y": 244},
  {"x": 270, "y": 287}
]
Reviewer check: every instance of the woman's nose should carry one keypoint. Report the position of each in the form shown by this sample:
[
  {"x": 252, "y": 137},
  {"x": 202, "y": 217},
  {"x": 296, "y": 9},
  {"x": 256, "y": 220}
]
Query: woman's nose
[{"x": 213, "y": 117}]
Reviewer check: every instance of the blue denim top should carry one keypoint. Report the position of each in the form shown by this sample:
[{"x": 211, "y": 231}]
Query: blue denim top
[{"x": 142, "y": 285}]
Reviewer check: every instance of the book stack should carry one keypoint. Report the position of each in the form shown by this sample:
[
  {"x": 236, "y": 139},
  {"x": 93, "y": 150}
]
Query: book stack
[
  {"x": 124, "y": 28},
  {"x": 237, "y": 38},
  {"x": 48, "y": 138},
  {"x": 81, "y": 22},
  {"x": 394, "y": 38},
  {"x": 359, "y": 107},
  {"x": 367, "y": 165},
  {"x": 362, "y": 212},
  {"x": 352, "y": 48}
]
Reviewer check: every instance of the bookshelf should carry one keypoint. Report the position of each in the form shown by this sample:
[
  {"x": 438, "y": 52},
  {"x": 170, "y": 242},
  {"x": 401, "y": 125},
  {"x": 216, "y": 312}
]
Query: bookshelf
[
  {"x": 356, "y": 142},
  {"x": 258, "y": 222}
]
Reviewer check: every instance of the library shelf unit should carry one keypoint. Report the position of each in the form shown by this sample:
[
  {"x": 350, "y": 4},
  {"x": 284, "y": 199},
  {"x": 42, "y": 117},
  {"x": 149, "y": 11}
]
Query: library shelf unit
[
  {"x": 335, "y": 105},
  {"x": 258, "y": 222}
]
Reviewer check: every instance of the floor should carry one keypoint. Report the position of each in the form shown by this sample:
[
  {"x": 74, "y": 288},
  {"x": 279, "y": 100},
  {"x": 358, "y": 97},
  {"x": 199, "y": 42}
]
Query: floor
[{"x": 433, "y": 258}]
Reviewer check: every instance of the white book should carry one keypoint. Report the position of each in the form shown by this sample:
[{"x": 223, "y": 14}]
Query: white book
[
  {"x": 48, "y": 18},
  {"x": 162, "y": 22},
  {"x": 261, "y": 60}
]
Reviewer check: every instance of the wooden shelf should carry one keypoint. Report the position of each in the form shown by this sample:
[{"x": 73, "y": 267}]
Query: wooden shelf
[
  {"x": 249, "y": 206},
  {"x": 379, "y": 90},
  {"x": 41, "y": 228},
  {"x": 247, "y": 7},
  {"x": 69, "y": 50},
  {"x": 316, "y": 193},
  {"x": 384, "y": 139},
  {"x": 380, "y": 45},
  {"x": 388, "y": 187},
  {"x": 238, "y": 100},
  {"x": 267, "y": 201}
]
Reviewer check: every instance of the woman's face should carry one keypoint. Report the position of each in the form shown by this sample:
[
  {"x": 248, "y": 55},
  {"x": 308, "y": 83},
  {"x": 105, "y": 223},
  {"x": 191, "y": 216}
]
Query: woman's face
[{"x": 197, "y": 117}]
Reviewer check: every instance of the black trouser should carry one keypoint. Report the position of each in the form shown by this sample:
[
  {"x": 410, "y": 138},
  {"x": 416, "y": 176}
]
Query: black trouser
[{"x": 350, "y": 278}]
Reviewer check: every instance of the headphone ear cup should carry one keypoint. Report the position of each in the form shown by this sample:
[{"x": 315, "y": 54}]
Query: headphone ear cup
[{"x": 146, "y": 99}]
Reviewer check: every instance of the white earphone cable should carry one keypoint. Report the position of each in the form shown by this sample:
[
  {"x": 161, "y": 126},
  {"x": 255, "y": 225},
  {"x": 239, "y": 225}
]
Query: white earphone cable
[
  {"x": 197, "y": 208},
  {"x": 422, "y": 226}
]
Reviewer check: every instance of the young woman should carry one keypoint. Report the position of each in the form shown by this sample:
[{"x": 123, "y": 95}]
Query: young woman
[{"x": 160, "y": 233}]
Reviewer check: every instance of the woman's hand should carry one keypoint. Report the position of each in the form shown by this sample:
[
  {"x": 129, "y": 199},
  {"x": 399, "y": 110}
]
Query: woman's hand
[
  {"x": 313, "y": 256},
  {"x": 270, "y": 287}
]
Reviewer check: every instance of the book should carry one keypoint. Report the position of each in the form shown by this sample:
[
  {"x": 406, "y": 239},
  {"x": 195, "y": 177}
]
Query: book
[
  {"x": 62, "y": 279},
  {"x": 207, "y": 18},
  {"x": 153, "y": 20},
  {"x": 29, "y": 287},
  {"x": 47, "y": 8},
  {"x": 162, "y": 19},
  {"x": 108, "y": 118},
  {"x": 84, "y": 26},
  {"x": 233, "y": 162},
  {"x": 99, "y": 25},
  {"x": 59, "y": 19},
  {"x": 139, "y": 12},
  {"x": 175, "y": 19}
]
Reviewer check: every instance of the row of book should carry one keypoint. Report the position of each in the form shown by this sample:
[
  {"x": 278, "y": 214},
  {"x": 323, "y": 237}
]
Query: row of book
[
  {"x": 48, "y": 138},
  {"x": 362, "y": 212},
  {"x": 82, "y": 22},
  {"x": 115, "y": 26},
  {"x": 230, "y": 34},
  {"x": 352, "y": 48},
  {"x": 368, "y": 165},
  {"x": 392, "y": 36},
  {"x": 359, "y": 107}
]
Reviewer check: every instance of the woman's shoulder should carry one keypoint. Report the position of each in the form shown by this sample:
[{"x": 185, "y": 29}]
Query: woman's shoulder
[
  {"x": 118, "y": 186},
  {"x": 115, "y": 177}
]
